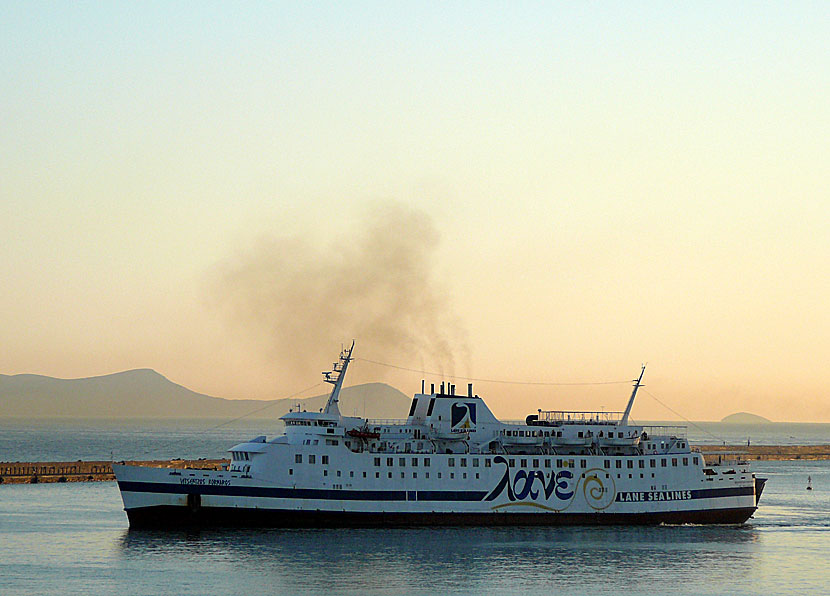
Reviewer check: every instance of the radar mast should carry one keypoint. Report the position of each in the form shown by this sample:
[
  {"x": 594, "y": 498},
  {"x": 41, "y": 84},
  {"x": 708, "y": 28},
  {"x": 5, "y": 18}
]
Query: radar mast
[{"x": 335, "y": 377}]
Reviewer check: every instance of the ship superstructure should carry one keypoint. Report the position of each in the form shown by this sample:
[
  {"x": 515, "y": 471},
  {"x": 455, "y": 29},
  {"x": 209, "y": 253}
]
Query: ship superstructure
[{"x": 449, "y": 462}]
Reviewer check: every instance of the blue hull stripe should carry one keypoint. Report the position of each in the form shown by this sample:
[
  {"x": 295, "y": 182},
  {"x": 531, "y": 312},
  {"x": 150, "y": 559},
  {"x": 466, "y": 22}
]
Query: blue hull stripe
[{"x": 358, "y": 495}]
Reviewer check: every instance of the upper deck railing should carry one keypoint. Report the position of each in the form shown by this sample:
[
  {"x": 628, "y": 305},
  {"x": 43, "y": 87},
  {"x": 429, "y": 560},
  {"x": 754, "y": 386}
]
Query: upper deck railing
[
  {"x": 566, "y": 417},
  {"x": 666, "y": 431}
]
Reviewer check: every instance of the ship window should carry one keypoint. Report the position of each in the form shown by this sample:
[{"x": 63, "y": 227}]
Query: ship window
[
  {"x": 290, "y": 471},
  {"x": 641, "y": 463},
  {"x": 377, "y": 474},
  {"x": 512, "y": 463},
  {"x": 607, "y": 464},
  {"x": 694, "y": 460},
  {"x": 431, "y": 405},
  {"x": 685, "y": 461},
  {"x": 535, "y": 463},
  {"x": 476, "y": 475},
  {"x": 674, "y": 462},
  {"x": 521, "y": 433},
  {"x": 298, "y": 458},
  {"x": 464, "y": 475},
  {"x": 451, "y": 462},
  {"x": 652, "y": 463},
  {"x": 390, "y": 461},
  {"x": 330, "y": 431},
  {"x": 311, "y": 459},
  {"x": 364, "y": 474},
  {"x": 439, "y": 474},
  {"x": 414, "y": 462},
  {"x": 414, "y": 474},
  {"x": 580, "y": 434},
  {"x": 402, "y": 462},
  {"x": 558, "y": 463},
  {"x": 487, "y": 463},
  {"x": 426, "y": 462},
  {"x": 377, "y": 461},
  {"x": 325, "y": 472},
  {"x": 475, "y": 462},
  {"x": 463, "y": 462},
  {"x": 403, "y": 474},
  {"x": 452, "y": 475},
  {"x": 619, "y": 464},
  {"x": 523, "y": 463},
  {"x": 583, "y": 463},
  {"x": 325, "y": 459},
  {"x": 338, "y": 473},
  {"x": 663, "y": 463},
  {"x": 414, "y": 405},
  {"x": 629, "y": 464}
]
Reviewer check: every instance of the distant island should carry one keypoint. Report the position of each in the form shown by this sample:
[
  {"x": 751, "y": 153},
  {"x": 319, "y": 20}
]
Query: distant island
[
  {"x": 144, "y": 393},
  {"x": 745, "y": 418}
]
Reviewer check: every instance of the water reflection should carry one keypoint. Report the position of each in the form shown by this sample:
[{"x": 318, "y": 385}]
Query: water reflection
[{"x": 444, "y": 559}]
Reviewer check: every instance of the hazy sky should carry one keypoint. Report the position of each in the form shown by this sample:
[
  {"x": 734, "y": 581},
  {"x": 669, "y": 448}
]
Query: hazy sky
[{"x": 523, "y": 191}]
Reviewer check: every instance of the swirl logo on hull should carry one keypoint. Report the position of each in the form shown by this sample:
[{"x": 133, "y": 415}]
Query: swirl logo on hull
[{"x": 599, "y": 491}]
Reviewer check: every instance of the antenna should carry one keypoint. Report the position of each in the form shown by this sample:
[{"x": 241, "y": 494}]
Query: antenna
[{"x": 637, "y": 385}]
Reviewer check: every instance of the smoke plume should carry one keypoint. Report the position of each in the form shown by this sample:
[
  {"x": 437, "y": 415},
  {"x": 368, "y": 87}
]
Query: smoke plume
[{"x": 375, "y": 285}]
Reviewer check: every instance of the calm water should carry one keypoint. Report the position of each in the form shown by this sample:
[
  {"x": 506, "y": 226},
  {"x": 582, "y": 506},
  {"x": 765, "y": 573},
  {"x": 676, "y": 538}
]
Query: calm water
[
  {"x": 73, "y": 539},
  {"x": 69, "y": 440}
]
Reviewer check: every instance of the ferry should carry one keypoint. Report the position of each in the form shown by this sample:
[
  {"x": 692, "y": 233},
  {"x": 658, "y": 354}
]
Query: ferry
[{"x": 450, "y": 462}]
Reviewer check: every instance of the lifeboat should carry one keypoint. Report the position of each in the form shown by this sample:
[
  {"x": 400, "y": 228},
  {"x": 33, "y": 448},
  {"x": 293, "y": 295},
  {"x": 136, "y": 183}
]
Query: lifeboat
[{"x": 363, "y": 434}]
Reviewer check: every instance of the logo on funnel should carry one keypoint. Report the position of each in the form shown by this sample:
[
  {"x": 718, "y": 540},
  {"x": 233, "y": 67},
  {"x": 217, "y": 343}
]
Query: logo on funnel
[{"x": 463, "y": 417}]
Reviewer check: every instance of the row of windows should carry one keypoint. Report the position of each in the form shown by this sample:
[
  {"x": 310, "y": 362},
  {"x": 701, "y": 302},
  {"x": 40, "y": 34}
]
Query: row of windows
[
  {"x": 240, "y": 456},
  {"x": 523, "y": 462},
  {"x": 652, "y": 463},
  {"x": 389, "y": 474}
]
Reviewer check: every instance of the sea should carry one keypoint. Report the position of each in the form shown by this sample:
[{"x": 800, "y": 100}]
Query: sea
[{"x": 74, "y": 538}]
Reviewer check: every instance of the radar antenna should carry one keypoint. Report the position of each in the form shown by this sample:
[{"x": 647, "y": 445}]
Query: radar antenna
[{"x": 335, "y": 377}]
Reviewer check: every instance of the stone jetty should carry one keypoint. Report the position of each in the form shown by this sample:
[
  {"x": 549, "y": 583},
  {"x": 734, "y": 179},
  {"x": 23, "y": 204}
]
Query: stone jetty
[{"x": 88, "y": 471}]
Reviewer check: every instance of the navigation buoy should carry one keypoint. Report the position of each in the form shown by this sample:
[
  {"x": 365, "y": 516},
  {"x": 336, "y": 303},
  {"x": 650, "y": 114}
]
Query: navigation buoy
[{"x": 809, "y": 483}]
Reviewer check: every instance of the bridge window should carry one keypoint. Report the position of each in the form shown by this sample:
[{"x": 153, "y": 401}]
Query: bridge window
[
  {"x": 431, "y": 405},
  {"x": 414, "y": 404}
]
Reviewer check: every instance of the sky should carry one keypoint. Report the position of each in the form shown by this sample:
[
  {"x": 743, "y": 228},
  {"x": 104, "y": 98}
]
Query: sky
[{"x": 547, "y": 192}]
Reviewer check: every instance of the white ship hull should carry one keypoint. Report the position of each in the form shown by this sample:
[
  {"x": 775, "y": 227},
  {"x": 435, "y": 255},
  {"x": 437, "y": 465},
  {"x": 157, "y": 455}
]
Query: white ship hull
[{"x": 159, "y": 497}]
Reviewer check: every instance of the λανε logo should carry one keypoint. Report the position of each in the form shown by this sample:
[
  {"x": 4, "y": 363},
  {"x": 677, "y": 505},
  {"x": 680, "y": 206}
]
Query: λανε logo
[{"x": 463, "y": 417}]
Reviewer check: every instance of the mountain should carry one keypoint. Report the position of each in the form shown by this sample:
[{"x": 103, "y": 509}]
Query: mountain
[
  {"x": 745, "y": 418},
  {"x": 144, "y": 393}
]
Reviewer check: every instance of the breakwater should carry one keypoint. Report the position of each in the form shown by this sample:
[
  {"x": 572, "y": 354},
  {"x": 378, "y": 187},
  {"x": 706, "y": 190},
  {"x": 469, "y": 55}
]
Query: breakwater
[{"x": 88, "y": 471}]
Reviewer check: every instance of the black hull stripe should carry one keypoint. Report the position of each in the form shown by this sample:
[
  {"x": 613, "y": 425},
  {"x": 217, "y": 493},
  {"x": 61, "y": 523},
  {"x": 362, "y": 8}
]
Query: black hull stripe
[
  {"x": 168, "y": 516},
  {"x": 357, "y": 495}
]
